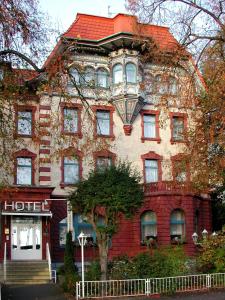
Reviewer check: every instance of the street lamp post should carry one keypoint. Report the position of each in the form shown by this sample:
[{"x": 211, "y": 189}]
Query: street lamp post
[{"x": 82, "y": 238}]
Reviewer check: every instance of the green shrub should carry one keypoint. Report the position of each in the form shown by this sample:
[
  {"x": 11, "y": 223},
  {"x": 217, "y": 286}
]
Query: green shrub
[
  {"x": 164, "y": 262},
  {"x": 93, "y": 271},
  {"x": 70, "y": 270}
]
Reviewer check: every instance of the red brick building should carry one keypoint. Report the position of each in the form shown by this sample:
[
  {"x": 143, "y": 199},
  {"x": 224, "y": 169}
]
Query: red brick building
[{"x": 125, "y": 92}]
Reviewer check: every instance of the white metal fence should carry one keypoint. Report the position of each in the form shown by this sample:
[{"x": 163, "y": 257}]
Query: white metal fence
[{"x": 150, "y": 286}]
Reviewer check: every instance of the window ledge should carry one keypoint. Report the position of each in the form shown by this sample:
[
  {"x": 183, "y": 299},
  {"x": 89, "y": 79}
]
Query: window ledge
[
  {"x": 112, "y": 137},
  {"x": 79, "y": 134},
  {"x": 173, "y": 141},
  {"x": 158, "y": 140},
  {"x": 63, "y": 185}
]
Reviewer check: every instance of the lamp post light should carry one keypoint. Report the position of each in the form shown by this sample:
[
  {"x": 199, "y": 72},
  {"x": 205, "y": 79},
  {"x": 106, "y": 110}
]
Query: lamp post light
[
  {"x": 82, "y": 238},
  {"x": 195, "y": 238},
  {"x": 214, "y": 234},
  {"x": 204, "y": 234}
]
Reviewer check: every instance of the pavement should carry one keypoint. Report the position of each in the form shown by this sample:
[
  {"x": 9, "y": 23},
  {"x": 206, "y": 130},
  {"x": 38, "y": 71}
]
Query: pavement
[{"x": 33, "y": 292}]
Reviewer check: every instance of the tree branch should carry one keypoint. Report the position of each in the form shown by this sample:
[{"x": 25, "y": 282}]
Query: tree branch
[{"x": 23, "y": 57}]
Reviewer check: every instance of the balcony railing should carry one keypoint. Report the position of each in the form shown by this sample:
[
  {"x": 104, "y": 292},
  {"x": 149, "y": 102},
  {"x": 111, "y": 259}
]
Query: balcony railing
[{"x": 167, "y": 186}]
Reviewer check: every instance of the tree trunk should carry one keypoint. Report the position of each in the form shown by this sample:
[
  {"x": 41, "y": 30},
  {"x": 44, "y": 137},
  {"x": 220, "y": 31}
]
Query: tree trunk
[{"x": 103, "y": 257}]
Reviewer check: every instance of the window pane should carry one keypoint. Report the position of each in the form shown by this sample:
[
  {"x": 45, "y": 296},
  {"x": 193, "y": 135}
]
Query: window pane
[
  {"x": 131, "y": 73},
  {"x": 149, "y": 225},
  {"x": 102, "y": 77},
  {"x": 161, "y": 85},
  {"x": 103, "y": 162},
  {"x": 149, "y": 126},
  {"x": 177, "y": 223},
  {"x": 89, "y": 76},
  {"x": 103, "y": 123},
  {"x": 71, "y": 171},
  {"x": 178, "y": 128},
  {"x": 151, "y": 170},
  {"x": 172, "y": 86},
  {"x": 24, "y": 171},
  {"x": 75, "y": 76},
  {"x": 117, "y": 73},
  {"x": 70, "y": 120},
  {"x": 25, "y": 122}
]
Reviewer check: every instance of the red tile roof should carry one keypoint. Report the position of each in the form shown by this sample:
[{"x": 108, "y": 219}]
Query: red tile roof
[{"x": 95, "y": 28}]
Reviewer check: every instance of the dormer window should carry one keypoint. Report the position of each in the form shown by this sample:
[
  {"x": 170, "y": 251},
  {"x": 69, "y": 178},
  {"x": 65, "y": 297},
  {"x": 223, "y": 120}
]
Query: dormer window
[
  {"x": 131, "y": 73},
  {"x": 117, "y": 74}
]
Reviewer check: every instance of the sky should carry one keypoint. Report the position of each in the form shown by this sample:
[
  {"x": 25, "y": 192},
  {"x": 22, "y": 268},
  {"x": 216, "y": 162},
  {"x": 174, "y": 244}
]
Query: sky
[{"x": 64, "y": 12}]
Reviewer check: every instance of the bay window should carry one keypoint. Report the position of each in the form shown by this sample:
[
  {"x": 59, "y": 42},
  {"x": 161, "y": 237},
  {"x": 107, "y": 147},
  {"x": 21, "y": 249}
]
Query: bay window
[
  {"x": 131, "y": 73},
  {"x": 117, "y": 73}
]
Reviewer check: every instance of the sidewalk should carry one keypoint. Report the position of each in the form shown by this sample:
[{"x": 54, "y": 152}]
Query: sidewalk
[{"x": 33, "y": 292}]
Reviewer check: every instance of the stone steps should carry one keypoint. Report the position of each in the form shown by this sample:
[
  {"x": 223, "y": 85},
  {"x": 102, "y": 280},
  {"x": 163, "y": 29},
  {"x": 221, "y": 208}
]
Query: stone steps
[{"x": 26, "y": 272}]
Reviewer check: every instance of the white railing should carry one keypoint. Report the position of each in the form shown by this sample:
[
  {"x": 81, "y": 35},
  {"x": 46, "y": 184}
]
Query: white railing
[
  {"x": 48, "y": 256},
  {"x": 150, "y": 286},
  {"x": 4, "y": 261},
  {"x": 54, "y": 276}
]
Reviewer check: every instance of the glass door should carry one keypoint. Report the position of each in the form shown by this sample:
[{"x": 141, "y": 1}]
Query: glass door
[{"x": 26, "y": 238}]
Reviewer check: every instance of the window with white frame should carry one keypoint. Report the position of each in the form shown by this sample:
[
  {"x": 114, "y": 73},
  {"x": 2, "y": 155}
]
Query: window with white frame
[
  {"x": 103, "y": 163},
  {"x": 71, "y": 170},
  {"x": 70, "y": 120},
  {"x": 131, "y": 73},
  {"x": 24, "y": 123},
  {"x": 148, "y": 225},
  {"x": 177, "y": 225},
  {"x": 151, "y": 170},
  {"x": 149, "y": 126},
  {"x": 102, "y": 78},
  {"x": 103, "y": 122},
  {"x": 117, "y": 73},
  {"x": 178, "y": 128},
  {"x": 24, "y": 171}
]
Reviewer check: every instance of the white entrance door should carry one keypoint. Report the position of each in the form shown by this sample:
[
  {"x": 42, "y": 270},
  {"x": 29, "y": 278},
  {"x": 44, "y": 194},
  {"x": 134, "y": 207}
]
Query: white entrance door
[{"x": 26, "y": 235}]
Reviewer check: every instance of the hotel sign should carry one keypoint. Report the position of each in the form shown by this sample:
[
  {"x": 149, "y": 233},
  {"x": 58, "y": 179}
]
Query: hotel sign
[{"x": 27, "y": 206}]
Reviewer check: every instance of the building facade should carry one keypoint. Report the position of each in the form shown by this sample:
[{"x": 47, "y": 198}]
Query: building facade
[{"x": 116, "y": 102}]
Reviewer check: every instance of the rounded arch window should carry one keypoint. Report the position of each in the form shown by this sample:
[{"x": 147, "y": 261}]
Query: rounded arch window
[
  {"x": 172, "y": 85},
  {"x": 89, "y": 76},
  {"x": 131, "y": 73},
  {"x": 74, "y": 76},
  {"x": 177, "y": 225},
  {"x": 102, "y": 78},
  {"x": 148, "y": 225},
  {"x": 117, "y": 74}
]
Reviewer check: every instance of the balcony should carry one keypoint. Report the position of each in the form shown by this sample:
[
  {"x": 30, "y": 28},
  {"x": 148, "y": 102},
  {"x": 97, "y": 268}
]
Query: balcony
[{"x": 167, "y": 186}]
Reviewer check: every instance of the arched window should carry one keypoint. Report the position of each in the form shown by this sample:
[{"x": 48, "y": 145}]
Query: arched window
[
  {"x": 89, "y": 76},
  {"x": 131, "y": 73},
  {"x": 102, "y": 78},
  {"x": 172, "y": 85},
  {"x": 117, "y": 74},
  {"x": 74, "y": 76},
  {"x": 177, "y": 225},
  {"x": 160, "y": 85},
  {"x": 148, "y": 225}
]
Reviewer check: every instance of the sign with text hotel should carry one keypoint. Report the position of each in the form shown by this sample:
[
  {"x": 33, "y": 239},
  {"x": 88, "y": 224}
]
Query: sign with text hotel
[{"x": 26, "y": 206}]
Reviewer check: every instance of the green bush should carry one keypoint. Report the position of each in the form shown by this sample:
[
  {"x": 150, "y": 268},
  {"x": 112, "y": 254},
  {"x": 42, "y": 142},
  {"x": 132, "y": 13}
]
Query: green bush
[
  {"x": 164, "y": 262},
  {"x": 70, "y": 270},
  {"x": 93, "y": 271}
]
